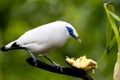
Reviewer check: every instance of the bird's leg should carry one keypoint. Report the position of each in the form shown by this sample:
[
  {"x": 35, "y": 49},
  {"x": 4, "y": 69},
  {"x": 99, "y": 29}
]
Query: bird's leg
[
  {"x": 34, "y": 58},
  {"x": 50, "y": 60},
  {"x": 54, "y": 63}
]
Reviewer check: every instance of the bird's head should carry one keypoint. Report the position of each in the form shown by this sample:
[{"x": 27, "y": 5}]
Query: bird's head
[{"x": 73, "y": 33}]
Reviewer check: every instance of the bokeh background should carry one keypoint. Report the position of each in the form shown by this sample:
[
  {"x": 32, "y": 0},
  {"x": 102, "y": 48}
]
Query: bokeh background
[{"x": 87, "y": 16}]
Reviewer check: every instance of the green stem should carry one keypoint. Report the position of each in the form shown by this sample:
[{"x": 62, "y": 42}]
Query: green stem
[
  {"x": 111, "y": 16},
  {"x": 118, "y": 57},
  {"x": 113, "y": 25}
]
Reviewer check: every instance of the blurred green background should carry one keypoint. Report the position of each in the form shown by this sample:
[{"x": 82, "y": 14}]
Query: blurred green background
[{"x": 87, "y": 16}]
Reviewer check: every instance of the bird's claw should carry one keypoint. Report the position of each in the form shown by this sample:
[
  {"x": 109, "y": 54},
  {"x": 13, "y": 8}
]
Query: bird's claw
[{"x": 58, "y": 66}]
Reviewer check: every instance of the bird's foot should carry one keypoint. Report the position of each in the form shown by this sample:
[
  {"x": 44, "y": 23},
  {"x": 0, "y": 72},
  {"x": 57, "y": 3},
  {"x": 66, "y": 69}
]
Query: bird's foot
[
  {"x": 58, "y": 66},
  {"x": 35, "y": 60}
]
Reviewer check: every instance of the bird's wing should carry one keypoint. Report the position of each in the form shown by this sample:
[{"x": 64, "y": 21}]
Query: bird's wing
[{"x": 37, "y": 35}]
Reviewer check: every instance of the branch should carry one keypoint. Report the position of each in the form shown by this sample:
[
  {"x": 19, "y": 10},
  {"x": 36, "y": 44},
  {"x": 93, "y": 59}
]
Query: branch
[{"x": 65, "y": 70}]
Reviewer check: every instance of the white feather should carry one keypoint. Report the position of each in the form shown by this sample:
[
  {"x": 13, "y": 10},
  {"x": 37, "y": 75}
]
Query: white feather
[{"x": 45, "y": 38}]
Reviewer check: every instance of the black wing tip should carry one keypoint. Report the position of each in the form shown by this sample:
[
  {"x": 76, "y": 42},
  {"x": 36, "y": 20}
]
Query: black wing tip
[
  {"x": 3, "y": 48},
  {"x": 14, "y": 46}
]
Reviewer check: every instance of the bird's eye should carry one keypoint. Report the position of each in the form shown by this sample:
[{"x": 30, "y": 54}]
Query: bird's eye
[{"x": 70, "y": 30}]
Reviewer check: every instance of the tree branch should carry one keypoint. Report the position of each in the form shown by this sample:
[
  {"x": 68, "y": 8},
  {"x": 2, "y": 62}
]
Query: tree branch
[{"x": 60, "y": 70}]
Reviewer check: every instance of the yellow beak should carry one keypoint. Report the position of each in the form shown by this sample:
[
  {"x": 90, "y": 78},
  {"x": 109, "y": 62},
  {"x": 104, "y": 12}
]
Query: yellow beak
[{"x": 78, "y": 38}]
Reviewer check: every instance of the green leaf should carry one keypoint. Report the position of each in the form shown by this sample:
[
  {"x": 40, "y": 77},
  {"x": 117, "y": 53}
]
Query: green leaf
[
  {"x": 110, "y": 45},
  {"x": 111, "y": 20},
  {"x": 108, "y": 36}
]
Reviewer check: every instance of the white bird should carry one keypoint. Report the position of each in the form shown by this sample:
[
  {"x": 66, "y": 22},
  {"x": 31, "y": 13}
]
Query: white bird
[{"x": 44, "y": 38}]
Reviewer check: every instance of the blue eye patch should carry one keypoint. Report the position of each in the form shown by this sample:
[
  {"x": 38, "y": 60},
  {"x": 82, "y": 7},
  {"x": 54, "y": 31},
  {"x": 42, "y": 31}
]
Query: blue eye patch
[{"x": 70, "y": 30}]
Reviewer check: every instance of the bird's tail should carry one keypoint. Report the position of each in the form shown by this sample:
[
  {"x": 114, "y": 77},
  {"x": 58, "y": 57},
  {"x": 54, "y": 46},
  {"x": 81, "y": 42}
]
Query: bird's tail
[{"x": 11, "y": 46}]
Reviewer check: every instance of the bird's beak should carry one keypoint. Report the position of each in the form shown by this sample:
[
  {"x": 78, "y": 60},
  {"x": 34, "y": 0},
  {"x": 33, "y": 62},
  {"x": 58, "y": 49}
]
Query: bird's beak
[{"x": 78, "y": 38}]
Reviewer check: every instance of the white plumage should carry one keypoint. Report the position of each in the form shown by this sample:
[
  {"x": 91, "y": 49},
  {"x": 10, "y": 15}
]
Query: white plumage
[{"x": 44, "y": 38}]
